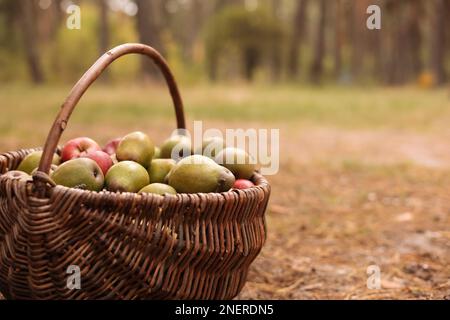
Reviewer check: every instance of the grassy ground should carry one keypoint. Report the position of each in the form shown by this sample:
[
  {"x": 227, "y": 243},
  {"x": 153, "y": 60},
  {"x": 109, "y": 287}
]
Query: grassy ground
[{"x": 364, "y": 176}]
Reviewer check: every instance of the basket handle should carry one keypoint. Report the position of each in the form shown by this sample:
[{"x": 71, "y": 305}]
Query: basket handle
[{"x": 60, "y": 123}]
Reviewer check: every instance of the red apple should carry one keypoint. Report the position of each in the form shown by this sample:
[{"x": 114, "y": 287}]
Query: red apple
[
  {"x": 103, "y": 159},
  {"x": 111, "y": 146},
  {"x": 243, "y": 184},
  {"x": 75, "y": 147}
]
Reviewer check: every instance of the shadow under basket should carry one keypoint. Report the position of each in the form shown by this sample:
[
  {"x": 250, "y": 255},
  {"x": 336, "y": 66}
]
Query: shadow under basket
[{"x": 123, "y": 245}]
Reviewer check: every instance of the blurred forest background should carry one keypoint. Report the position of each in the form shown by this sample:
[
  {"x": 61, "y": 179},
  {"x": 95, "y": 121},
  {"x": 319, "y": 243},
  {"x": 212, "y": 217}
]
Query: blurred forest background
[{"x": 323, "y": 41}]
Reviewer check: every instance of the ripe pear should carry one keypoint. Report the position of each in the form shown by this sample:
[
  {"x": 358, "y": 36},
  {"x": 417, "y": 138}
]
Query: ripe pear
[
  {"x": 31, "y": 161},
  {"x": 179, "y": 145},
  {"x": 20, "y": 175},
  {"x": 198, "y": 173},
  {"x": 157, "y": 153},
  {"x": 237, "y": 161},
  {"x": 159, "y": 169},
  {"x": 126, "y": 176},
  {"x": 211, "y": 146},
  {"x": 136, "y": 147},
  {"x": 83, "y": 173},
  {"x": 158, "y": 188}
]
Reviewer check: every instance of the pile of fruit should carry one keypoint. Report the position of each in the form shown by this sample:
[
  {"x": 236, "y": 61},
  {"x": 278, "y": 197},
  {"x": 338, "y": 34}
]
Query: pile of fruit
[{"x": 134, "y": 164}]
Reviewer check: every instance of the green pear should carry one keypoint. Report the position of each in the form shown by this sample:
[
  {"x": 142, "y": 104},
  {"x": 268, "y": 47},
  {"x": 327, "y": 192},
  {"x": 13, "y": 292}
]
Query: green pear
[
  {"x": 20, "y": 175},
  {"x": 31, "y": 161},
  {"x": 159, "y": 169},
  {"x": 52, "y": 169},
  {"x": 179, "y": 145},
  {"x": 198, "y": 173},
  {"x": 237, "y": 161},
  {"x": 83, "y": 173},
  {"x": 157, "y": 153},
  {"x": 211, "y": 146},
  {"x": 126, "y": 176},
  {"x": 158, "y": 188},
  {"x": 136, "y": 147}
]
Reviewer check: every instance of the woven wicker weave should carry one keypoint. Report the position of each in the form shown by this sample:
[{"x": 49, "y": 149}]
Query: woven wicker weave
[{"x": 128, "y": 246}]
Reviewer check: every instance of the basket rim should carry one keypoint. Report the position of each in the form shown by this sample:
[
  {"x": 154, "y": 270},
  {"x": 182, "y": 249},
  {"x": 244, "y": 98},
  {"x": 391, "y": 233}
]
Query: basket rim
[{"x": 261, "y": 184}]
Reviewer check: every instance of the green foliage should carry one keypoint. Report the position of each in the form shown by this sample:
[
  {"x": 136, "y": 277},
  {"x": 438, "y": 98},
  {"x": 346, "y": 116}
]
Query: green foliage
[
  {"x": 122, "y": 30},
  {"x": 237, "y": 26},
  {"x": 250, "y": 33},
  {"x": 11, "y": 57},
  {"x": 69, "y": 53},
  {"x": 237, "y": 42},
  {"x": 74, "y": 51}
]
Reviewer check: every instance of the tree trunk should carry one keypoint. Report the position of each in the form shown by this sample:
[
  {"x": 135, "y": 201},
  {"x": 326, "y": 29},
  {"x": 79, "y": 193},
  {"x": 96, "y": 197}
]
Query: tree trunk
[
  {"x": 220, "y": 4},
  {"x": 149, "y": 34},
  {"x": 319, "y": 47},
  {"x": 338, "y": 40},
  {"x": 213, "y": 66},
  {"x": 251, "y": 59},
  {"x": 437, "y": 51},
  {"x": 298, "y": 30},
  {"x": 403, "y": 19},
  {"x": 28, "y": 22},
  {"x": 103, "y": 31},
  {"x": 415, "y": 37},
  {"x": 275, "y": 54},
  {"x": 58, "y": 17},
  {"x": 194, "y": 21},
  {"x": 379, "y": 54},
  {"x": 393, "y": 42},
  {"x": 358, "y": 26}
]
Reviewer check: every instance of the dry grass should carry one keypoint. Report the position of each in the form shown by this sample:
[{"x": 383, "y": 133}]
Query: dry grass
[{"x": 364, "y": 178}]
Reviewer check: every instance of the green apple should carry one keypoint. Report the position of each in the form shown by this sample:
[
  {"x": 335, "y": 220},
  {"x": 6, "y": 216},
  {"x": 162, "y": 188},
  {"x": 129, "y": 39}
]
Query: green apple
[
  {"x": 83, "y": 173},
  {"x": 126, "y": 176}
]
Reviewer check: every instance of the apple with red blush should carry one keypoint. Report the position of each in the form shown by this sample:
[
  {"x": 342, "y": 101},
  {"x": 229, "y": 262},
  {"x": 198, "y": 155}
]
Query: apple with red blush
[
  {"x": 111, "y": 147},
  {"x": 243, "y": 184},
  {"x": 103, "y": 159},
  {"x": 77, "y": 147}
]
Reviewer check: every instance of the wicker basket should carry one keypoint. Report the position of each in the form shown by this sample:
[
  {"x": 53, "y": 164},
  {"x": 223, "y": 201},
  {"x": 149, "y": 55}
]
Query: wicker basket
[{"x": 127, "y": 246}]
